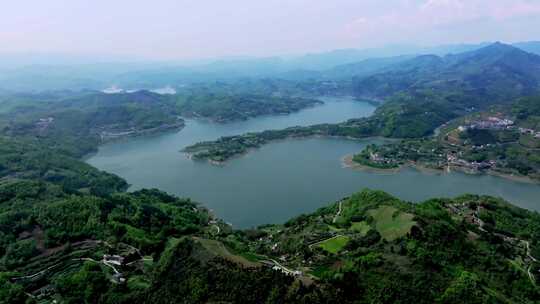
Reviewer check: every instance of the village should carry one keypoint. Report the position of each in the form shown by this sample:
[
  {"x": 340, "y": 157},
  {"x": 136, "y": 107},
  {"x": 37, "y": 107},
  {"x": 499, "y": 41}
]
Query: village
[
  {"x": 478, "y": 145},
  {"x": 496, "y": 123}
]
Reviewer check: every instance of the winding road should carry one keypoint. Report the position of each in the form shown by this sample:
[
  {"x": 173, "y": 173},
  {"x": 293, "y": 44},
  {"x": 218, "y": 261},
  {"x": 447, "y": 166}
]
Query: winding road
[
  {"x": 531, "y": 276},
  {"x": 338, "y": 213}
]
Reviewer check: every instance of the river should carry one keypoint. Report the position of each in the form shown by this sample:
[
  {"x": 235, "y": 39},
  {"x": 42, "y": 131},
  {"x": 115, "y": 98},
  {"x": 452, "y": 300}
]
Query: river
[{"x": 285, "y": 178}]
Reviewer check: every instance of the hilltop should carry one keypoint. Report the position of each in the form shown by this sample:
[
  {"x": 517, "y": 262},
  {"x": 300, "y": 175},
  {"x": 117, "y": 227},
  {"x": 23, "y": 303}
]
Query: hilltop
[{"x": 497, "y": 71}]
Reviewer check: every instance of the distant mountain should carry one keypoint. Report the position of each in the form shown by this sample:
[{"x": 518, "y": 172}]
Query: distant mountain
[
  {"x": 492, "y": 73},
  {"x": 41, "y": 72},
  {"x": 344, "y": 72},
  {"x": 331, "y": 59},
  {"x": 362, "y": 68},
  {"x": 328, "y": 60}
]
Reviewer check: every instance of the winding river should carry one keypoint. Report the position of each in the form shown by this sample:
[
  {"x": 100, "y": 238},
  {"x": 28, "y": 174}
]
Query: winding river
[{"x": 285, "y": 178}]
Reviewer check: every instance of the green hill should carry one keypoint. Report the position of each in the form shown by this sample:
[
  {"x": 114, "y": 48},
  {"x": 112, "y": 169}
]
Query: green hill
[{"x": 495, "y": 73}]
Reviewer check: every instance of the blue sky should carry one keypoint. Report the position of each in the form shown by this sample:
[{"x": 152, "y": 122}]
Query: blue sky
[{"x": 179, "y": 29}]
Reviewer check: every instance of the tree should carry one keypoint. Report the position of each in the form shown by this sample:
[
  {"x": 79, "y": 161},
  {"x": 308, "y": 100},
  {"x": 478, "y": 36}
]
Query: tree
[
  {"x": 464, "y": 289},
  {"x": 12, "y": 293},
  {"x": 88, "y": 285}
]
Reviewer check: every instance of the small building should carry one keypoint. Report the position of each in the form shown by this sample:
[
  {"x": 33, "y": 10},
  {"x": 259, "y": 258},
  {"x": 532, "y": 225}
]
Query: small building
[
  {"x": 113, "y": 259},
  {"x": 118, "y": 278}
]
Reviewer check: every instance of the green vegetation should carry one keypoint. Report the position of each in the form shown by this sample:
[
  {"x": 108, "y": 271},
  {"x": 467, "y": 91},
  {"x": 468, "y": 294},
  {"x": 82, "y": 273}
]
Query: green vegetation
[
  {"x": 60, "y": 245},
  {"x": 361, "y": 227},
  {"x": 467, "y": 79},
  {"x": 219, "y": 249},
  {"x": 24, "y": 161},
  {"x": 391, "y": 223},
  {"x": 481, "y": 142},
  {"x": 46, "y": 234},
  {"x": 223, "y": 107},
  {"x": 439, "y": 246},
  {"x": 334, "y": 245},
  {"x": 74, "y": 124},
  {"x": 369, "y": 157},
  {"x": 420, "y": 95},
  {"x": 71, "y": 234}
]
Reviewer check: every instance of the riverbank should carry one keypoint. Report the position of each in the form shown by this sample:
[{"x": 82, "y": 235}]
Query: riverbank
[
  {"x": 107, "y": 136},
  {"x": 348, "y": 162}
]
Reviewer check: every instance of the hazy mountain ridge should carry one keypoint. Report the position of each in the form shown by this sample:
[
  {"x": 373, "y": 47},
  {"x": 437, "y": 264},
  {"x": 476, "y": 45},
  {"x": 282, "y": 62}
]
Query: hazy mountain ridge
[
  {"x": 498, "y": 70},
  {"x": 37, "y": 73}
]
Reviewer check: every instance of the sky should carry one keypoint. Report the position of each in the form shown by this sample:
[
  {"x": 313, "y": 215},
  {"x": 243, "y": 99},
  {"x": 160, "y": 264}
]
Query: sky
[{"x": 181, "y": 29}]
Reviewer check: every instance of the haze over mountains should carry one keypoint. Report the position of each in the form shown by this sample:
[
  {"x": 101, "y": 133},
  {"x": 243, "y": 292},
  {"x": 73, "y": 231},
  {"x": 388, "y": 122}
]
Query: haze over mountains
[
  {"x": 35, "y": 72},
  {"x": 499, "y": 71}
]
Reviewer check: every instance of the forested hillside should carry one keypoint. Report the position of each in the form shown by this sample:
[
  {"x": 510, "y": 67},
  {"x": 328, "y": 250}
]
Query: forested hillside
[
  {"x": 498, "y": 71},
  {"x": 149, "y": 247},
  {"x": 503, "y": 140}
]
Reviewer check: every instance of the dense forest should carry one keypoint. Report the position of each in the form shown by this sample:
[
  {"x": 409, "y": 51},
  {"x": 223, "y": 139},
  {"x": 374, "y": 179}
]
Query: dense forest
[{"x": 149, "y": 247}]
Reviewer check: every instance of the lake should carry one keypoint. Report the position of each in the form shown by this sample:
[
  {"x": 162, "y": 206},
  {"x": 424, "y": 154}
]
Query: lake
[{"x": 285, "y": 178}]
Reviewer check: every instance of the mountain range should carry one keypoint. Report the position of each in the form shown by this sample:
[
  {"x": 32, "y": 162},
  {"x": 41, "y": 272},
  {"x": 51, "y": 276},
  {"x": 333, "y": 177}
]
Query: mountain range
[
  {"x": 496, "y": 72},
  {"x": 39, "y": 72}
]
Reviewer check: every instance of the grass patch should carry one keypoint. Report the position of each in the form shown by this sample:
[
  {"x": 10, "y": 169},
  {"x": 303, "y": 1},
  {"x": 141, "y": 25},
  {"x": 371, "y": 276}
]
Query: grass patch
[
  {"x": 334, "y": 245},
  {"x": 529, "y": 141},
  {"x": 137, "y": 283},
  {"x": 218, "y": 248},
  {"x": 319, "y": 271},
  {"x": 391, "y": 223},
  {"x": 334, "y": 228},
  {"x": 148, "y": 262},
  {"x": 252, "y": 257},
  {"x": 360, "y": 227}
]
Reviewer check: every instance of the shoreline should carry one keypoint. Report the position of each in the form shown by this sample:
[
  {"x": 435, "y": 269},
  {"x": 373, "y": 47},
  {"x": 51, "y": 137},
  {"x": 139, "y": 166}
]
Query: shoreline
[
  {"x": 348, "y": 163},
  {"x": 134, "y": 134},
  {"x": 190, "y": 154},
  {"x": 222, "y": 121},
  {"x": 110, "y": 137}
]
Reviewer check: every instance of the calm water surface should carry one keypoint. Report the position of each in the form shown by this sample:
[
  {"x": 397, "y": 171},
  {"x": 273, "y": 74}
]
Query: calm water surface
[{"x": 285, "y": 178}]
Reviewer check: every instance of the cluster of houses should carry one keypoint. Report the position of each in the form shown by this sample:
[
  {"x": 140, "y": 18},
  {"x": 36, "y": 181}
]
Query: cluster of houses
[
  {"x": 43, "y": 123},
  {"x": 454, "y": 160},
  {"x": 496, "y": 123},
  {"x": 114, "y": 261},
  {"x": 376, "y": 158},
  {"x": 492, "y": 123},
  {"x": 536, "y": 134}
]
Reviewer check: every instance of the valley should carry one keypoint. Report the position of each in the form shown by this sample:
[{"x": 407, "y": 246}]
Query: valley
[
  {"x": 281, "y": 169},
  {"x": 236, "y": 191}
]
